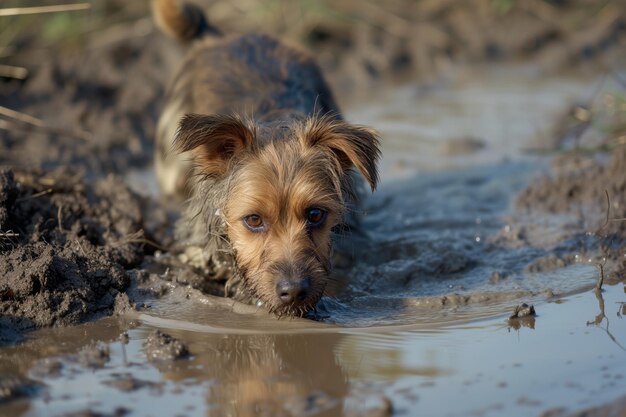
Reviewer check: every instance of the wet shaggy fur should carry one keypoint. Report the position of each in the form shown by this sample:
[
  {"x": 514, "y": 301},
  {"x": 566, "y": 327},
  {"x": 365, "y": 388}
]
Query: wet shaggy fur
[{"x": 250, "y": 128}]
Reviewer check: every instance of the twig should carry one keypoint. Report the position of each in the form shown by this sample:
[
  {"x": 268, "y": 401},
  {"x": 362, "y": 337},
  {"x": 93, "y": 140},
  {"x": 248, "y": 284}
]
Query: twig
[
  {"x": 16, "y": 11},
  {"x": 600, "y": 278},
  {"x": 39, "y": 194},
  {"x": 138, "y": 237},
  {"x": 34, "y": 121},
  {"x": 59, "y": 219},
  {"x": 601, "y": 317},
  {"x": 10, "y": 71},
  {"x": 6, "y": 238},
  {"x": 81, "y": 248},
  {"x": 22, "y": 117}
]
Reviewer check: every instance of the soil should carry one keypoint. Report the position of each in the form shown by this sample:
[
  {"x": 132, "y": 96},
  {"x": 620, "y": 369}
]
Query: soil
[
  {"x": 96, "y": 110},
  {"x": 590, "y": 190},
  {"x": 161, "y": 347},
  {"x": 14, "y": 387},
  {"x": 523, "y": 310},
  {"x": 74, "y": 239},
  {"x": 127, "y": 382},
  {"x": 613, "y": 409},
  {"x": 65, "y": 247}
]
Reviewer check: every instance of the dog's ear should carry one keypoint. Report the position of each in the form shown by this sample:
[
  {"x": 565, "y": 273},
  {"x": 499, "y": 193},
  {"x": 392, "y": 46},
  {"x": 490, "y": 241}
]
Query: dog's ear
[
  {"x": 353, "y": 145},
  {"x": 213, "y": 140}
]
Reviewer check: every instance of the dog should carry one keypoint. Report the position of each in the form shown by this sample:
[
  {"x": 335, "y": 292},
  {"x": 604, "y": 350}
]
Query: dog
[{"x": 251, "y": 134}]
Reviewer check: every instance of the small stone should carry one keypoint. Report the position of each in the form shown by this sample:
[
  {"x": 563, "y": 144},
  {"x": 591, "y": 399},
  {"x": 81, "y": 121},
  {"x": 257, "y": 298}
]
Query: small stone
[{"x": 523, "y": 310}]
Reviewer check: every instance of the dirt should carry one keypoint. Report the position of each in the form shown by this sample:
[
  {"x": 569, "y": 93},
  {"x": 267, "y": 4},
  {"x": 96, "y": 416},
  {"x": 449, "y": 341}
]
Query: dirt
[
  {"x": 74, "y": 240},
  {"x": 613, "y": 409},
  {"x": 14, "y": 387},
  {"x": 126, "y": 382},
  {"x": 96, "y": 110},
  {"x": 119, "y": 412},
  {"x": 162, "y": 347},
  {"x": 523, "y": 310},
  {"x": 94, "y": 356},
  {"x": 65, "y": 247},
  {"x": 591, "y": 191}
]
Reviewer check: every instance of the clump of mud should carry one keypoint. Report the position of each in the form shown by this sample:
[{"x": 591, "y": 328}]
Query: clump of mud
[
  {"x": 65, "y": 247},
  {"x": 591, "y": 191},
  {"x": 580, "y": 181},
  {"x": 161, "y": 348}
]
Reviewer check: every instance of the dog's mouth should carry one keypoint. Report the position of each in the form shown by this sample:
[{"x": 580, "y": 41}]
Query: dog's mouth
[
  {"x": 295, "y": 309},
  {"x": 293, "y": 298}
]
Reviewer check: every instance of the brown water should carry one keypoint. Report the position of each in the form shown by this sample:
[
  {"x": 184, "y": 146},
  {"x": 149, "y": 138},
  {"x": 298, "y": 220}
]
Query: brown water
[
  {"x": 483, "y": 367},
  {"x": 421, "y": 323}
]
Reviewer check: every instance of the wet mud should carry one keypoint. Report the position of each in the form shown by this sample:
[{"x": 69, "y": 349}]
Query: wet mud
[
  {"x": 409, "y": 276},
  {"x": 161, "y": 347},
  {"x": 466, "y": 227},
  {"x": 96, "y": 110},
  {"x": 449, "y": 253},
  {"x": 65, "y": 248},
  {"x": 591, "y": 191}
]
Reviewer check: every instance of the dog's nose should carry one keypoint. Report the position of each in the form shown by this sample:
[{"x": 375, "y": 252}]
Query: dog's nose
[{"x": 290, "y": 290}]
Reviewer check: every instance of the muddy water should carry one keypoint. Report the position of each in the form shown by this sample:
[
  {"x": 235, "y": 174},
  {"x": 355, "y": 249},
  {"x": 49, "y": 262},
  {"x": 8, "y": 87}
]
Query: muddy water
[{"x": 417, "y": 327}]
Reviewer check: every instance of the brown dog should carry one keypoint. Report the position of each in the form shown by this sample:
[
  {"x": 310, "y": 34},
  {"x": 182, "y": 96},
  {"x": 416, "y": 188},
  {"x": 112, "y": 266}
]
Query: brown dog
[{"x": 265, "y": 157}]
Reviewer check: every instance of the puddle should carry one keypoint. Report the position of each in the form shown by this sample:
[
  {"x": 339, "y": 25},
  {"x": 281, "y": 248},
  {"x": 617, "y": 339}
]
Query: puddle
[
  {"x": 418, "y": 327},
  {"x": 477, "y": 120},
  {"x": 488, "y": 367}
]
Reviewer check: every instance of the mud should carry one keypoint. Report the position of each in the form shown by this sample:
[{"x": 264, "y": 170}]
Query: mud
[
  {"x": 294, "y": 368},
  {"x": 94, "y": 356},
  {"x": 523, "y": 310},
  {"x": 96, "y": 110},
  {"x": 161, "y": 347},
  {"x": 614, "y": 409},
  {"x": 126, "y": 382},
  {"x": 421, "y": 318},
  {"x": 591, "y": 191},
  {"x": 581, "y": 182},
  {"x": 65, "y": 247},
  {"x": 14, "y": 387}
]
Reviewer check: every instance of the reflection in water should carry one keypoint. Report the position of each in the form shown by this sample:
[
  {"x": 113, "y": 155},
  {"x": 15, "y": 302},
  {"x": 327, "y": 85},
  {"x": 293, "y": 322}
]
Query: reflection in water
[
  {"x": 601, "y": 317},
  {"x": 518, "y": 323},
  {"x": 269, "y": 375}
]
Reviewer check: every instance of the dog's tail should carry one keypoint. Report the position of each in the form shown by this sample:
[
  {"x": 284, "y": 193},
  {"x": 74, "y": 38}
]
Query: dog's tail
[{"x": 181, "y": 20}]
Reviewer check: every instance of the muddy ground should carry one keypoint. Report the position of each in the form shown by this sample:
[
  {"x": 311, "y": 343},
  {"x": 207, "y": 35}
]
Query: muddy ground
[
  {"x": 75, "y": 240},
  {"x": 66, "y": 248},
  {"x": 70, "y": 232},
  {"x": 93, "y": 89}
]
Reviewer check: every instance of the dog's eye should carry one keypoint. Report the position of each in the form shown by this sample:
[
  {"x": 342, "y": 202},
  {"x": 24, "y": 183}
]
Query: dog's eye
[
  {"x": 315, "y": 216},
  {"x": 254, "y": 223}
]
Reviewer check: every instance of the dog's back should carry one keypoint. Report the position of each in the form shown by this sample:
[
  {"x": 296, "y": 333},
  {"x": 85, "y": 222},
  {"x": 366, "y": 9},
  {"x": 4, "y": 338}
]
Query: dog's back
[{"x": 251, "y": 74}]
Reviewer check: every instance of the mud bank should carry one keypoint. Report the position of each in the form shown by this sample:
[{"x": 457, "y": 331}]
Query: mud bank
[
  {"x": 96, "y": 110},
  {"x": 585, "y": 196},
  {"x": 66, "y": 247}
]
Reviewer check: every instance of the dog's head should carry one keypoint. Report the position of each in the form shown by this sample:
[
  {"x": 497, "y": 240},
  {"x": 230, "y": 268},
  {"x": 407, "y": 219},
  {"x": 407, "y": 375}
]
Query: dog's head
[{"x": 287, "y": 184}]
